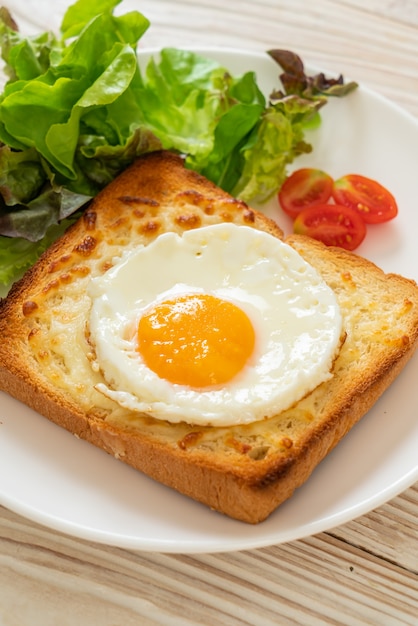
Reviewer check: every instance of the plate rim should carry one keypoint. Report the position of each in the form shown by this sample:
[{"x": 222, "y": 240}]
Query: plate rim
[{"x": 216, "y": 546}]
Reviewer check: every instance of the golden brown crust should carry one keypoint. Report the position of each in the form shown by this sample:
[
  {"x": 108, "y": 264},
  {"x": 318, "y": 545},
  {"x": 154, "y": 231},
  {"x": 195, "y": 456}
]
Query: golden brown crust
[{"x": 245, "y": 471}]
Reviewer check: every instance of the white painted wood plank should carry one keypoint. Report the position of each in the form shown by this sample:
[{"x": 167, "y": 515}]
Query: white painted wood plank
[
  {"x": 390, "y": 531},
  {"x": 319, "y": 580}
]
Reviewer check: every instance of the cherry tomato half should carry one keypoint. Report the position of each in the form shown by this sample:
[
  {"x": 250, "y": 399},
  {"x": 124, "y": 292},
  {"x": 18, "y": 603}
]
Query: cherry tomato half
[
  {"x": 333, "y": 224},
  {"x": 303, "y": 188},
  {"x": 373, "y": 201}
]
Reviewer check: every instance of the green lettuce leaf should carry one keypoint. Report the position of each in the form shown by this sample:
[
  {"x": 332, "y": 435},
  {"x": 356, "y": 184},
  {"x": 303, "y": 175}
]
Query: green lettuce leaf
[
  {"x": 79, "y": 14},
  {"x": 203, "y": 106},
  {"x": 276, "y": 141},
  {"x": 91, "y": 73},
  {"x": 55, "y": 108},
  {"x": 17, "y": 254}
]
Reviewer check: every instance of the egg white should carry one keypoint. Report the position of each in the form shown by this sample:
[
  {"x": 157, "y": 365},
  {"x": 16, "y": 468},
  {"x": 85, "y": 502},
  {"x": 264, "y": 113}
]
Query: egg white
[{"x": 294, "y": 313}]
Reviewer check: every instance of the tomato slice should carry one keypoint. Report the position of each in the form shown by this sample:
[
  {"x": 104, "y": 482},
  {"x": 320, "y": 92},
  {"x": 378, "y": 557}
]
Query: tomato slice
[
  {"x": 303, "y": 188},
  {"x": 333, "y": 224},
  {"x": 372, "y": 201}
]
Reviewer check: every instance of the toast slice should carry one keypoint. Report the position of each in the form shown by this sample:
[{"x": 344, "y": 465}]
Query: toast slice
[{"x": 245, "y": 471}]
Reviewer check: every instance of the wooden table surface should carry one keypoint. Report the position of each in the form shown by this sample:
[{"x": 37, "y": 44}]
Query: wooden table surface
[{"x": 364, "y": 572}]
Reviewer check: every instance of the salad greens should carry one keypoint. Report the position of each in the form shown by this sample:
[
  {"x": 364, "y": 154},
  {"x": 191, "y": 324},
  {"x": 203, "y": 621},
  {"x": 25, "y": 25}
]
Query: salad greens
[{"x": 77, "y": 108}]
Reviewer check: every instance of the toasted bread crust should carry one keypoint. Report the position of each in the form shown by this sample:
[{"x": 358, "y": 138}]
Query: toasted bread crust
[{"x": 244, "y": 471}]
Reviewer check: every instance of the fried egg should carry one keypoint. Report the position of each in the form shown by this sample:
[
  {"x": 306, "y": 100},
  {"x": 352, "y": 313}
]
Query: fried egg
[{"x": 222, "y": 325}]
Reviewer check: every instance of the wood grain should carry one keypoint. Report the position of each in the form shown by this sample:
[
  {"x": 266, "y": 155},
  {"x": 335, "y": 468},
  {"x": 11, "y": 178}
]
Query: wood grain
[
  {"x": 332, "y": 581},
  {"x": 362, "y": 573},
  {"x": 391, "y": 532}
]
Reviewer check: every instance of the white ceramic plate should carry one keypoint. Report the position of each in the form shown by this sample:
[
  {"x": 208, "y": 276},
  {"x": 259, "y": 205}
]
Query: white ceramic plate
[{"x": 49, "y": 476}]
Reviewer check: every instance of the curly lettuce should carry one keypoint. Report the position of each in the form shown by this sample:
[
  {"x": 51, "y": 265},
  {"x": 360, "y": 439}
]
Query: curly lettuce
[{"x": 77, "y": 109}]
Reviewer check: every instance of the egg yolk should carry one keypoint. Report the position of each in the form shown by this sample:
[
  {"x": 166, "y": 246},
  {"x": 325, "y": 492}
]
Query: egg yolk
[{"x": 196, "y": 340}]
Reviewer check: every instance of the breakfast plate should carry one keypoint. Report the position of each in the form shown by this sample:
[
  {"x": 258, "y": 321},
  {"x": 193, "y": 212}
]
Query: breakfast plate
[{"x": 52, "y": 478}]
